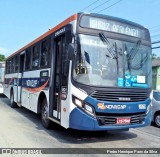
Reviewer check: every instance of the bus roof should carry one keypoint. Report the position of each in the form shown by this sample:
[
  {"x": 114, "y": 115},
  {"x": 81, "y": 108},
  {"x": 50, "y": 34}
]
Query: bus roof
[{"x": 65, "y": 22}]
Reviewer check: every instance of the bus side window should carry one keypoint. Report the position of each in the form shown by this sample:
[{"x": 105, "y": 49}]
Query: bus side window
[
  {"x": 16, "y": 64},
  {"x": 11, "y": 66},
  {"x": 35, "y": 56},
  {"x": 28, "y": 59},
  {"x": 7, "y": 67},
  {"x": 45, "y": 53}
]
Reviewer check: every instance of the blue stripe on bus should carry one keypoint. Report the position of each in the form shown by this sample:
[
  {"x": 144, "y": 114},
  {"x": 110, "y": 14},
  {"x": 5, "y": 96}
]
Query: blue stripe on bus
[{"x": 27, "y": 82}]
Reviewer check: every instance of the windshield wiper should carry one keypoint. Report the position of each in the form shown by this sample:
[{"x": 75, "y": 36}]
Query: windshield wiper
[
  {"x": 139, "y": 65},
  {"x": 134, "y": 50},
  {"x": 112, "y": 50},
  {"x": 117, "y": 58},
  {"x": 109, "y": 46},
  {"x": 130, "y": 56}
]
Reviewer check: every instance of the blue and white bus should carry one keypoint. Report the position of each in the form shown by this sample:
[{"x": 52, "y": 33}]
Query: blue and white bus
[
  {"x": 2, "y": 69},
  {"x": 90, "y": 72}
]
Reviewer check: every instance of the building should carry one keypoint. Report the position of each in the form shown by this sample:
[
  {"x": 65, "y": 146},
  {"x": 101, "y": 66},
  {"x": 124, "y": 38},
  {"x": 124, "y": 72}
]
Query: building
[{"x": 156, "y": 74}]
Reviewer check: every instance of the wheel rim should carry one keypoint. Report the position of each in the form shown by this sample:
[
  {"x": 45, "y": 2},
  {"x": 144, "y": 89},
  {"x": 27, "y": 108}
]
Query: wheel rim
[
  {"x": 45, "y": 112},
  {"x": 157, "y": 120}
]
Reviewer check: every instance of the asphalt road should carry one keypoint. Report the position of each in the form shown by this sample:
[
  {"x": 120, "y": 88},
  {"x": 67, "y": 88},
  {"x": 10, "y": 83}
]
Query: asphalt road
[{"x": 21, "y": 128}]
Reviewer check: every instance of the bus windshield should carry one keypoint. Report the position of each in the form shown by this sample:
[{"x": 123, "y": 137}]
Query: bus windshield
[{"x": 107, "y": 62}]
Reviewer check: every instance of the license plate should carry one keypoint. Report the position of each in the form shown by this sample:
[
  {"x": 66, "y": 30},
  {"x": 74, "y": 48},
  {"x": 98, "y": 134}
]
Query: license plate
[{"x": 123, "y": 120}]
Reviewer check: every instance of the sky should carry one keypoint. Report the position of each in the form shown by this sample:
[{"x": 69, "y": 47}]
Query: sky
[{"x": 22, "y": 21}]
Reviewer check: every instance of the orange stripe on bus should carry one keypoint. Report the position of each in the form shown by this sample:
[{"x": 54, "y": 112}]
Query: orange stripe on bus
[
  {"x": 65, "y": 22},
  {"x": 35, "y": 90}
]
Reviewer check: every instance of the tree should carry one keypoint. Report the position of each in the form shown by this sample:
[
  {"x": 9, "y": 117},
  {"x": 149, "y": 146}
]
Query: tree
[
  {"x": 154, "y": 56},
  {"x": 2, "y": 57}
]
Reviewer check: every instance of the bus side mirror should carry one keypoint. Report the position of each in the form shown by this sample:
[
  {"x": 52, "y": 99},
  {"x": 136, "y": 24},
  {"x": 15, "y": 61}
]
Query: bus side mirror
[{"x": 70, "y": 52}]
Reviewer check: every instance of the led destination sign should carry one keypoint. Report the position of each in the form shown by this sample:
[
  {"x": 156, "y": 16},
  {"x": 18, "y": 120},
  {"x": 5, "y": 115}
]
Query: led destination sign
[{"x": 112, "y": 26}]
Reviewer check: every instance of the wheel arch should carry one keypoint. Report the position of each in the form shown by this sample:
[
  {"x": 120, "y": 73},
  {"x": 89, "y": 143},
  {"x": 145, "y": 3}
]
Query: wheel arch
[
  {"x": 156, "y": 113},
  {"x": 41, "y": 97}
]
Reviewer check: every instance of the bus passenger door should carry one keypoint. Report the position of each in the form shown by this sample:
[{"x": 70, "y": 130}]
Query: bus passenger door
[
  {"x": 57, "y": 77},
  {"x": 60, "y": 80},
  {"x": 59, "y": 74},
  {"x": 24, "y": 94}
]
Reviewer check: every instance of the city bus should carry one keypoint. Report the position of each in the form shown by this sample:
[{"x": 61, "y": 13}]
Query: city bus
[
  {"x": 2, "y": 69},
  {"x": 90, "y": 72}
]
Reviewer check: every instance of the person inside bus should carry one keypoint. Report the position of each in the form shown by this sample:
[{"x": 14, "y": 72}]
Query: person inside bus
[
  {"x": 44, "y": 57},
  {"x": 35, "y": 60}
]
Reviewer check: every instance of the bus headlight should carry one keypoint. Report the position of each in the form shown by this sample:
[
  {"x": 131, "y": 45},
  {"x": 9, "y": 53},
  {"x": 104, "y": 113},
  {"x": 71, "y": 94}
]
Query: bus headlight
[
  {"x": 88, "y": 108},
  {"x": 85, "y": 107},
  {"x": 149, "y": 107},
  {"x": 78, "y": 102}
]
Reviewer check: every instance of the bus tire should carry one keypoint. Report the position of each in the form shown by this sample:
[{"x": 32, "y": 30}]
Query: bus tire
[
  {"x": 13, "y": 104},
  {"x": 157, "y": 120},
  {"x": 44, "y": 115}
]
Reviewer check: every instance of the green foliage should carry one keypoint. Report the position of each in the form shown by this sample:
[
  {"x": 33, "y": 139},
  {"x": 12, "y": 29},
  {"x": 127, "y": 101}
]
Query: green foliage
[
  {"x": 154, "y": 56},
  {"x": 2, "y": 57}
]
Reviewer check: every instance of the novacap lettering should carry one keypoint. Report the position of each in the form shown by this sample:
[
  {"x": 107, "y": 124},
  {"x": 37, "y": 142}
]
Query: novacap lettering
[{"x": 116, "y": 106}]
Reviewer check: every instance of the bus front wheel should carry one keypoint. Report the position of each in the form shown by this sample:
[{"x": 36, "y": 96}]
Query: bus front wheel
[
  {"x": 157, "y": 120},
  {"x": 44, "y": 115}
]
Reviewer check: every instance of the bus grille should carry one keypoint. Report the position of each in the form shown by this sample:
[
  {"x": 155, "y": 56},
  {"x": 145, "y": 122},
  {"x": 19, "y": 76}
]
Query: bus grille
[
  {"x": 120, "y": 96},
  {"x": 110, "y": 119}
]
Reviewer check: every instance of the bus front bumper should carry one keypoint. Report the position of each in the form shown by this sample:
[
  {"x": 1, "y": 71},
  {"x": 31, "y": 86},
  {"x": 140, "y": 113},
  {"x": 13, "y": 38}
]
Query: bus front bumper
[{"x": 81, "y": 121}]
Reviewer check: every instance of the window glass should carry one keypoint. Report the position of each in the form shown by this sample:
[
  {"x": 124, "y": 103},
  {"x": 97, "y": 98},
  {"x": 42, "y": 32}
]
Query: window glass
[
  {"x": 28, "y": 59},
  {"x": 35, "y": 56},
  {"x": 45, "y": 53},
  {"x": 6, "y": 67},
  {"x": 12, "y": 66},
  {"x": 110, "y": 62},
  {"x": 9, "y": 66},
  {"x": 16, "y": 63},
  {"x": 65, "y": 61}
]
